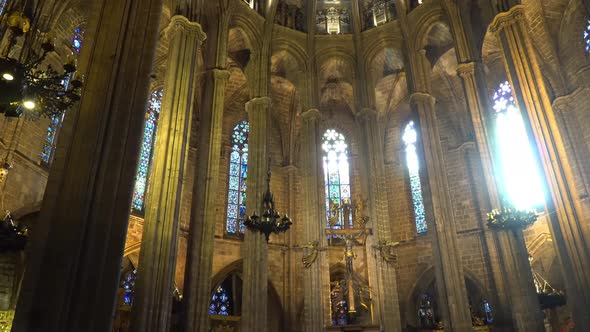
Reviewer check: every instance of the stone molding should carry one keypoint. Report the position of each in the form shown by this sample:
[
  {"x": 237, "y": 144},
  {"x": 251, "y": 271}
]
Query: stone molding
[
  {"x": 181, "y": 23},
  {"x": 467, "y": 68},
  {"x": 311, "y": 114},
  {"x": 258, "y": 101},
  {"x": 422, "y": 97},
  {"x": 220, "y": 74},
  {"x": 367, "y": 113},
  {"x": 508, "y": 18}
]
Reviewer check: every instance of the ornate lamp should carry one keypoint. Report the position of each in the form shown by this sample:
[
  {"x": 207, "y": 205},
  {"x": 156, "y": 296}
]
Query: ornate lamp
[
  {"x": 28, "y": 87},
  {"x": 271, "y": 220},
  {"x": 13, "y": 235}
]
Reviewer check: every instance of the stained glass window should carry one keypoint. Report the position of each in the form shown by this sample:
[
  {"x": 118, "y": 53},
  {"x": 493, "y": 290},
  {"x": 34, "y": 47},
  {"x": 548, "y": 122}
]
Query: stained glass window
[
  {"x": 145, "y": 156},
  {"x": 128, "y": 285},
  {"x": 2, "y": 5},
  {"x": 77, "y": 40},
  {"x": 587, "y": 37},
  {"x": 426, "y": 317},
  {"x": 519, "y": 173},
  {"x": 336, "y": 176},
  {"x": 238, "y": 174},
  {"x": 410, "y": 138},
  {"x": 220, "y": 302},
  {"x": 488, "y": 312}
]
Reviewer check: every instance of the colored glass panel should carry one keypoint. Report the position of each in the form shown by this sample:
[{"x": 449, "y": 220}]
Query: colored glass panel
[
  {"x": 410, "y": 138},
  {"x": 146, "y": 153},
  {"x": 336, "y": 174},
  {"x": 77, "y": 40},
  {"x": 238, "y": 174},
  {"x": 587, "y": 37},
  {"x": 520, "y": 176},
  {"x": 2, "y": 6},
  {"x": 220, "y": 302},
  {"x": 128, "y": 284}
]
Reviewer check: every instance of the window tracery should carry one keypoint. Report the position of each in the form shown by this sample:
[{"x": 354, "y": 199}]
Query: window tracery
[
  {"x": 238, "y": 174},
  {"x": 146, "y": 153},
  {"x": 521, "y": 179},
  {"x": 336, "y": 176},
  {"x": 220, "y": 302},
  {"x": 410, "y": 138}
]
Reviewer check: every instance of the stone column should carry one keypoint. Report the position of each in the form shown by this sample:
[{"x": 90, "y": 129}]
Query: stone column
[
  {"x": 197, "y": 294},
  {"x": 157, "y": 260},
  {"x": 450, "y": 281},
  {"x": 569, "y": 229},
  {"x": 517, "y": 306},
  {"x": 73, "y": 272},
  {"x": 255, "y": 248},
  {"x": 316, "y": 278},
  {"x": 385, "y": 290}
]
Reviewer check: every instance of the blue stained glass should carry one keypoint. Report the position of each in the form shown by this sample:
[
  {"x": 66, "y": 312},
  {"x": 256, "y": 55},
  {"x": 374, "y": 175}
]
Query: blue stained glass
[
  {"x": 233, "y": 197},
  {"x": 410, "y": 138},
  {"x": 235, "y": 157},
  {"x": 233, "y": 183},
  {"x": 587, "y": 37},
  {"x": 2, "y": 5},
  {"x": 336, "y": 172},
  {"x": 520, "y": 174},
  {"x": 220, "y": 303},
  {"x": 238, "y": 173},
  {"x": 145, "y": 156},
  {"x": 234, "y": 169},
  {"x": 77, "y": 39},
  {"x": 128, "y": 284},
  {"x": 232, "y": 211}
]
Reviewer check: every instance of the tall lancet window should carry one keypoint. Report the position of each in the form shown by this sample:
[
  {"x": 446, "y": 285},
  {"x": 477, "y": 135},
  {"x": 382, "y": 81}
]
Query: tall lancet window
[
  {"x": 238, "y": 174},
  {"x": 47, "y": 154},
  {"x": 147, "y": 151},
  {"x": 587, "y": 37},
  {"x": 336, "y": 177},
  {"x": 410, "y": 138},
  {"x": 520, "y": 177}
]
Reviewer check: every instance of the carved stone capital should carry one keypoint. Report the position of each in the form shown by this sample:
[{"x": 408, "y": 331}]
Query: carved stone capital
[
  {"x": 311, "y": 115},
  {"x": 466, "y": 70},
  {"x": 258, "y": 103},
  {"x": 367, "y": 114},
  {"x": 508, "y": 18},
  {"x": 181, "y": 23},
  {"x": 422, "y": 98},
  {"x": 220, "y": 74}
]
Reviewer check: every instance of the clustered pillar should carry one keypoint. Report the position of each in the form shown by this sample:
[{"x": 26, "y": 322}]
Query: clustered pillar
[
  {"x": 255, "y": 276},
  {"x": 385, "y": 290},
  {"x": 450, "y": 284},
  {"x": 157, "y": 261},
  {"x": 517, "y": 307},
  {"x": 569, "y": 229},
  {"x": 316, "y": 281},
  {"x": 75, "y": 259}
]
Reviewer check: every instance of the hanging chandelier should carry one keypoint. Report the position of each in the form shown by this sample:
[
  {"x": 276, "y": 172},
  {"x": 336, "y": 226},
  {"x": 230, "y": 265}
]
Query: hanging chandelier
[
  {"x": 33, "y": 88},
  {"x": 270, "y": 221}
]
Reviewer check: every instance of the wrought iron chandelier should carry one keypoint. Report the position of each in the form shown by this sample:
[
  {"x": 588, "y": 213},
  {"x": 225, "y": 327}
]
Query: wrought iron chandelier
[
  {"x": 270, "y": 220},
  {"x": 33, "y": 88}
]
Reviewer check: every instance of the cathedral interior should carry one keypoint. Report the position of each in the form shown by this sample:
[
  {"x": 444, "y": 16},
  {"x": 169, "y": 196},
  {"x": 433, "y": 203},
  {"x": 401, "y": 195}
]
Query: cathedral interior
[{"x": 294, "y": 165}]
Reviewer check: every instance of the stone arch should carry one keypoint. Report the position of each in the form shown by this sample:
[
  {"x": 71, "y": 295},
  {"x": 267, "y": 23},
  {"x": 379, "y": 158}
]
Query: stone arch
[
  {"x": 274, "y": 300},
  {"x": 423, "y": 27},
  {"x": 570, "y": 43}
]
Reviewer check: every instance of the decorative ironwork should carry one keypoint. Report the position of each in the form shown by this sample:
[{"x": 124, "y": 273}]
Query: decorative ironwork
[
  {"x": 27, "y": 87},
  {"x": 549, "y": 297},
  {"x": 13, "y": 234},
  {"x": 270, "y": 221},
  {"x": 510, "y": 218}
]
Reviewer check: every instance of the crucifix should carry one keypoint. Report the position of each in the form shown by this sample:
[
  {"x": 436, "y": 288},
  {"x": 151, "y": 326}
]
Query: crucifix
[{"x": 347, "y": 223}]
